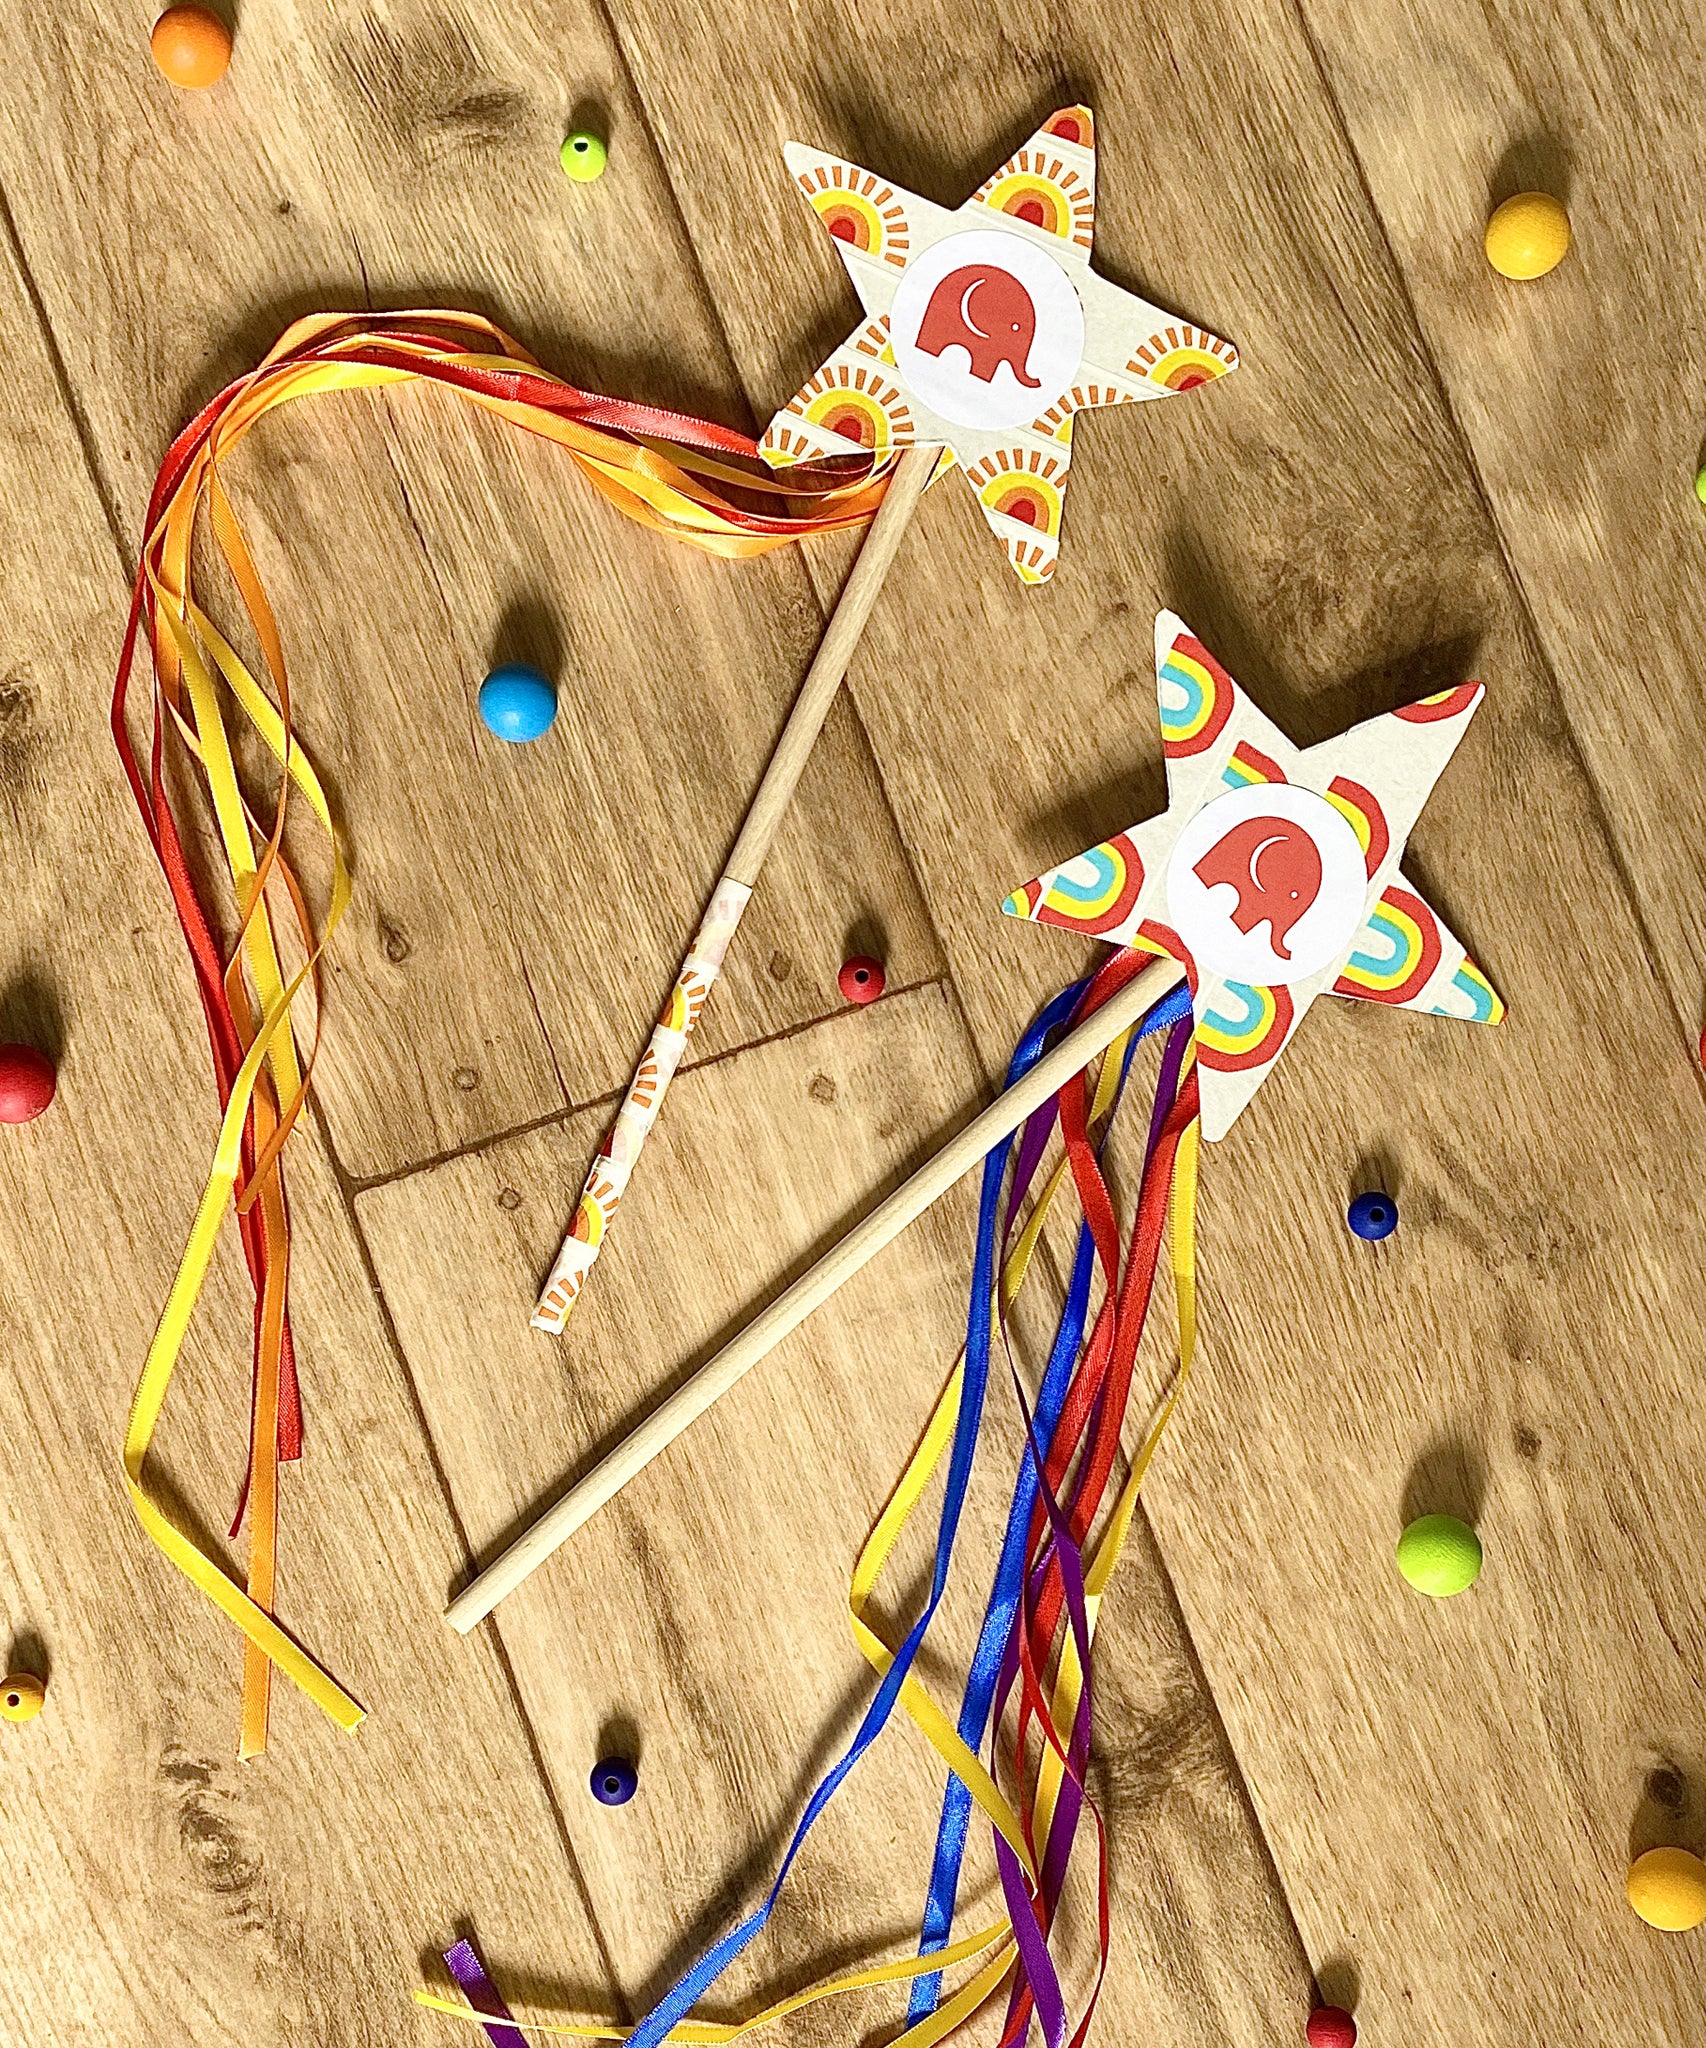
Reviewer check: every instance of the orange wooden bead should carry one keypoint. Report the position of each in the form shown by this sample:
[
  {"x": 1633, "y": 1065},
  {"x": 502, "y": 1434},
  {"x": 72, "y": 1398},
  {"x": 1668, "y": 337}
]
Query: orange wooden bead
[{"x": 191, "y": 45}]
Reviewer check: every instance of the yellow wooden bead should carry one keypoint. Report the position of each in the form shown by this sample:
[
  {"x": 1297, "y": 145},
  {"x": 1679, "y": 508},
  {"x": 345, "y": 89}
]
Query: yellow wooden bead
[
  {"x": 1667, "y": 1887},
  {"x": 21, "y": 1697},
  {"x": 1528, "y": 235}
]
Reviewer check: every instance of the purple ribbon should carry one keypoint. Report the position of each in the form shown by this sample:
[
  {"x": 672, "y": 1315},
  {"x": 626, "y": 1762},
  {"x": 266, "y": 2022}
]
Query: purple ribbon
[{"x": 481, "y": 1993}]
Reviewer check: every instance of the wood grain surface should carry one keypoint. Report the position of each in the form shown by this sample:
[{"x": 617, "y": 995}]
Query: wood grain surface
[
  {"x": 156, "y": 1891},
  {"x": 703, "y": 1612},
  {"x": 513, "y": 901},
  {"x": 1420, "y": 473}
]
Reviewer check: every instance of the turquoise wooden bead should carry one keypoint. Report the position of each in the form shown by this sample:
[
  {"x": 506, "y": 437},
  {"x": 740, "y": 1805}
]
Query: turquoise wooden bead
[{"x": 517, "y": 702}]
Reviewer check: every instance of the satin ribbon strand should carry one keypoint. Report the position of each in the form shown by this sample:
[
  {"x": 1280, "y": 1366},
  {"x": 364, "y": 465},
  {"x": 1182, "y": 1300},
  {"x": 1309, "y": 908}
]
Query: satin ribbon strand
[
  {"x": 1060, "y": 1786},
  {"x": 253, "y": 1620},
  {"x": 950, "y": 1845},
  {"x": 713, "y": 2034},
  {"x": 1059, "y": 1408},
  {"x": 255, "y": 946},
  {"x": 960, "y": 1450},
  {"x": 226, "y": 1043},
  {"x": 661, "y": 469},
  {"x": 930, "y": 1450},
  {"x": 1070, "y": 1704},
  {"x": 256, "y": 950},
  {"x": 981, "y": 1677}
]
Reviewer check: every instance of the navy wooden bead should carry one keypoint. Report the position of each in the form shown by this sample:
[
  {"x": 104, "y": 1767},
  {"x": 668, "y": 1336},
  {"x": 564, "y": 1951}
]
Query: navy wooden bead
[
  {"x": 1373, "y": 1216},
  {"x": 614, "y": 1781}
]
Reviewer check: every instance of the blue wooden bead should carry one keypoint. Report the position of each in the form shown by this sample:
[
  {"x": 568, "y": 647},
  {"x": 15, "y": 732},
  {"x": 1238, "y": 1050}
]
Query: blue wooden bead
[
  {"x": 1373, "y": 1216},
  {"x": 517, "y": 702},
  {"x": 614, "y": 1781}
]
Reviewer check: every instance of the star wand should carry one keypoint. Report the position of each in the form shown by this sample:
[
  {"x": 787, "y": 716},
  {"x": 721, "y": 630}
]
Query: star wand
[{"x": 986, "y": 334}]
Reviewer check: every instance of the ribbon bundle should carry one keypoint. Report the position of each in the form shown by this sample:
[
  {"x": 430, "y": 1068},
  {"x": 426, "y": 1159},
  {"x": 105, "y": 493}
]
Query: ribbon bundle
[
  {"x": 1057, "y": 1557},
  {"x": 666, "y": 471},
  {"x": 1031, "y": 1672}
]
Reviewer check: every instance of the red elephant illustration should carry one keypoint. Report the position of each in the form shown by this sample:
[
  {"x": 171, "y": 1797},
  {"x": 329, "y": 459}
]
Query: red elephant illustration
[
  {"x": 1276, "y": 869},
  {"x": 986, "y": 311}
]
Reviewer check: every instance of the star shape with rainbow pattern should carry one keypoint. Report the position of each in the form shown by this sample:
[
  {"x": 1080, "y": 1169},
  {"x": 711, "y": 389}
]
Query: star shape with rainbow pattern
[
  {"x": 1273, "y": 873},
  {"x": 986, "y": 331}
]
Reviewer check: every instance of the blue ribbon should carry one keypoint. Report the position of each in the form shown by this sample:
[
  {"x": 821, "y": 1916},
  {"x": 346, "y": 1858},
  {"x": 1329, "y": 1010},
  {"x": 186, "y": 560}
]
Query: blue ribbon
[
  {"x": 677, "y": 2003},
  {"x": 998, "y": 1618}
]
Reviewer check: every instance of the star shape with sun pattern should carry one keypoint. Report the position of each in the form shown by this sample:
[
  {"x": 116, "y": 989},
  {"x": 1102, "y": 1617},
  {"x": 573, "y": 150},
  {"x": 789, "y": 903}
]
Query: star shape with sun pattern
[
  {"x": 1273, "y": 874},
  {"x": 986, "y": 331}
]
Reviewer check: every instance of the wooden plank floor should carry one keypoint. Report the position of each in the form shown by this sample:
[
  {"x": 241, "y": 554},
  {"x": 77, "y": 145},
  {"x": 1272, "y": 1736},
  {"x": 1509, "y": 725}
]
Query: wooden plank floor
[{"x": 1420, "y": 473}]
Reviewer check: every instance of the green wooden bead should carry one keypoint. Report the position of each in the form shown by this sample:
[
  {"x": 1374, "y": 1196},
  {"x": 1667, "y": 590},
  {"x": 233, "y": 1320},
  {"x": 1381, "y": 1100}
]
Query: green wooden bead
[
  {"x": 583, "y": 156},
  {"x": 1439, "y": 1555}
]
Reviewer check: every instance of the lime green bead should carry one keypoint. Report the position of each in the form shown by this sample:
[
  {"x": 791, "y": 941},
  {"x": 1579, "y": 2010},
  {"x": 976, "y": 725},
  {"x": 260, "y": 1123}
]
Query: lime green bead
[
  {"x": 584, "y": 157},
  {"x": 1700, "y": 485},
  {"x": 1439, "y": 1555}
]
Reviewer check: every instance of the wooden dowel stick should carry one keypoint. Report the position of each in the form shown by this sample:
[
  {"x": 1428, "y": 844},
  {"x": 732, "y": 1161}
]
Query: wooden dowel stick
[
  {"x": 830, "y": 663},
  {"x": 810, "y": 1291},
  {"x": 616, "y": 1159}
]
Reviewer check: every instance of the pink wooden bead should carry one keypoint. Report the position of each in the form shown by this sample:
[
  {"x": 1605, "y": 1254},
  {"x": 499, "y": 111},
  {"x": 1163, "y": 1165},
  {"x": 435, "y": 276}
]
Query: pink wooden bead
[
  {"x": 27, "y": 1082},
  {"x": 861, "y": 980}
]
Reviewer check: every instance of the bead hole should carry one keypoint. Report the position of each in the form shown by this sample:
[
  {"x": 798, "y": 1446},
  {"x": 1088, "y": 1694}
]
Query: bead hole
[{"x": 14, "y": 1699}]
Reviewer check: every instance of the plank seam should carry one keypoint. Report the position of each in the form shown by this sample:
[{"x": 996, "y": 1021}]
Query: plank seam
[
  {"x": 822, "y": 600},
  {"x": 707, "y": 301},
  {"x": 105, "y": 496},
  {"x": 346, "y": 1195},
  {"x": 364, "y": 1184},
  {"x": 539, "y": 1019},
  {"x": 1529, "y": 618}
]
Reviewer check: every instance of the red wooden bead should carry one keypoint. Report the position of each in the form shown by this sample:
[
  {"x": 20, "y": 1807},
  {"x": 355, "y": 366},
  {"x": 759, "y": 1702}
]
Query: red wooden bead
[
  {"x": 1329, "y": 2026},
  {"x": 861, "y": 980},
  {"x": 27, "y": 1082}
]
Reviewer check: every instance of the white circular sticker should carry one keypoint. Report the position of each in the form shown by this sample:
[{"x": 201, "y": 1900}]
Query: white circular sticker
[
  {"x": 987, "y": 329},
  {"x": 1267, "y": 885}
]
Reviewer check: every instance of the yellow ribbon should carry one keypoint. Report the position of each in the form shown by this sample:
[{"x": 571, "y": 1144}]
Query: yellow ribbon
[
  {"x": 925, "y": 1712},
  {"x": 711, "y": 2034},
  {"x": 668, "y": 488}
]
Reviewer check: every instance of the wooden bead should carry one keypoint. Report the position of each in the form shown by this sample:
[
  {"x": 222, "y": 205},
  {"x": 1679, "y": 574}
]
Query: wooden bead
[
  {"x": 1330, "y": 2026},
  {"x": 22, "y": 1697},
  {"x": 583, "y": 158},
  {"x": 861, "y": 980},
  {"x": 1528, "y": 236},
  {"x": 1667, "y": 1887},
  {"x": 192, "y": 47},
  {"x": 27, "y": 1082}
]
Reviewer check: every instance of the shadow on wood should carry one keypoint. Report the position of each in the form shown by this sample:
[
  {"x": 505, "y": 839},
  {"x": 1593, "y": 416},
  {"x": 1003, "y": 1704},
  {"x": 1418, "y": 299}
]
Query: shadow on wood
[
  {"x": 1308, "y": 710},
  {"x": 1449, "y": 1478},
  {"x": 30, "y": 1014},
  {"x": 1339, "y": 1983},
  {"x": 1670, "y": 1813},
  {"x": 1537, "y": 162},
  {"x": 531, "y": 631}
]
